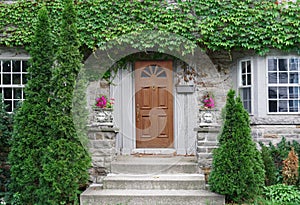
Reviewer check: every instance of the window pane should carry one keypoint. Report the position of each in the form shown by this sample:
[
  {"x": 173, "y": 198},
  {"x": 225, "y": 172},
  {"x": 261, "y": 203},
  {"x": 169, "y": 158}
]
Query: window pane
[
  {"x": 18, "y": 93},
  {"x": 283, "y": 65},
  {"x": 6, "y": 66},
  {"x": 283, "y": 106},
  {"x": 293, "y": 92},
  {"x": 8, "y": 104},
  {"x": 293, "y": 105},
  {"x": 248, "y": 67},
  {"x": 272, "y": 65},
  {"x": 25, "y": 65},
  {"x": 246, "y": 93},
  {"x": 17, "y": 79},
  {"x": 16, "y": 66},
  {"x": 272, "y": 106},
  {"x": 17, "y": 103},
  {"x": 24, "y": 79},
  {"x": 273, "y": 92},
  {"x": 249, "y": 79},
  {"x": 272, "y": 77},
  {"x": 244, "y": 80},
  {"x": 246, "y": 98},
  {"x": 282, "y": 93},
  {"x": 7, "y": 93},
  {"x": 243, "y": 67},
  {"x": 294, "y": 77},
  {"x": 283, "y": 77},
  {"x": 7, "y": 79},
  {"x": 293, "y": 64}
]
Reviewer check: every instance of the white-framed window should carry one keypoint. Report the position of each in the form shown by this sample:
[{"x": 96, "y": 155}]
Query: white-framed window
[
  {"x": 283, "y": 85},
  {"x": 13, "y": 74},
  {"x": 245, "y": 83}
]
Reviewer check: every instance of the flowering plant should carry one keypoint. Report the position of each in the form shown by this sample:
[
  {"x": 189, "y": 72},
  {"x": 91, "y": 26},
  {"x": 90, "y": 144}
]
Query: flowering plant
[
  {"x": 208, "y": 101},
  {"x": 104, "y": 102}
]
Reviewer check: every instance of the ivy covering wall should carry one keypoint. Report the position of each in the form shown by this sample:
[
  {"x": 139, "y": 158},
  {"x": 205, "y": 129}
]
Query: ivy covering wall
[{"x": 211, "y": 24}]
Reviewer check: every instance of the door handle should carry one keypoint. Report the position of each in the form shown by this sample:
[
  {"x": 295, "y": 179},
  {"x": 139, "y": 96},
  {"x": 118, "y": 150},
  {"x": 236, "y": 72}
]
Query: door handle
[{"x": 137, "y": 112}]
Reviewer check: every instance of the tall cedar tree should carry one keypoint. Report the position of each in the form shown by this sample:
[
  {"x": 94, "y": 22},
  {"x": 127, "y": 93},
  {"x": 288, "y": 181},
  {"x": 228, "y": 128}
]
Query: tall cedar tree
[
  {"x": 237, "y": 168},
  {"x": 5, "y": 136},
  {"x": 30, "y": 127},
  {"x": 65, "y": 166}
]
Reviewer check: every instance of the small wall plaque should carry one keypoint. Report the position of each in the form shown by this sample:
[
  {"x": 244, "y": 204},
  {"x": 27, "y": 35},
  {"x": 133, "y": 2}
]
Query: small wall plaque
[{"x": 185, "y": 89}]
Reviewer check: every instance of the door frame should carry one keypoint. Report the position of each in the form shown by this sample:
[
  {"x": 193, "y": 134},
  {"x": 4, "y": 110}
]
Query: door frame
[{"x": 124, "y": 117}]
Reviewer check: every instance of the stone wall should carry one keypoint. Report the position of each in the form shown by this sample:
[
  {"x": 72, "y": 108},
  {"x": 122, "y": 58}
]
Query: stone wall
[
  {"x": 102, "y": 143},
  {"x": 275, "y": 133},
  {"x": 206, "y": 142}
]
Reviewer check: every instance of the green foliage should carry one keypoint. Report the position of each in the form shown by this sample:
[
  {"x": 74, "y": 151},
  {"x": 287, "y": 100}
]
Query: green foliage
[
  {"x": 5, "y": 136},
  {"x": 270, "y": 170},
  {"x": 215, "y": 25},
  {"x": 49, "y": 162},
  {"x": 30, "y": 127},
  {"x": 282, "y": 194},
  {"x": 65, "y": 166},
  {"x": 237, "y": 167},
  {"x": 279, "y": 152}
]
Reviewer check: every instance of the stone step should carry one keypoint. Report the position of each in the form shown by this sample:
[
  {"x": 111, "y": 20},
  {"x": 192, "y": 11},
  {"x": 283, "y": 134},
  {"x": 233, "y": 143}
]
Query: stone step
[
  {"x": 161, "y": 181},
  {"x": 154, "y": 165},
  {"x": 150, "y": 197}
]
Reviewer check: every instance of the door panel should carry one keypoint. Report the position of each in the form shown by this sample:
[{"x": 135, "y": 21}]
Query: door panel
[{"x": 154, "y": 104}]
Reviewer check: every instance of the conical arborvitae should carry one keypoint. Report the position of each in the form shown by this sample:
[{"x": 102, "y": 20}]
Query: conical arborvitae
[
  {"x": 29, "y": 135},
  {"x": 65, "y": 166},
  {"x": 5, "y": 137},
  {"x": 237, "y": 168}
]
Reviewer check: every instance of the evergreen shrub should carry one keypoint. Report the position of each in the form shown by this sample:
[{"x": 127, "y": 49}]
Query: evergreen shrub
[
  {"x": 66, "y": 161},
  {"x": 269, "y": 165},
  {"x": 30, "y": 127},
  {"x": 237, "y": 167},
  {"x": 279, "y": 153},
  {"x": 5, "y": 136},
  {"x": 49, "y": 162}
]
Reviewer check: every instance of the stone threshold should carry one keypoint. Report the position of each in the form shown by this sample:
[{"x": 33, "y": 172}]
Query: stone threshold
[{"x": 154, "y": 151}]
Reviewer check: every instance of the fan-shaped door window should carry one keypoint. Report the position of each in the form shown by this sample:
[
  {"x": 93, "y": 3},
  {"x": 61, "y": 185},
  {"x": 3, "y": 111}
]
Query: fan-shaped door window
[{"x": 153, "y": 70}]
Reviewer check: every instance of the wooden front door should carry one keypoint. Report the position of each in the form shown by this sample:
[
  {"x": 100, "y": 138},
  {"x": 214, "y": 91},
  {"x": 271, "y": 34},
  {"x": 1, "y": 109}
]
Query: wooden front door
[{"x": 154, "y": 104}]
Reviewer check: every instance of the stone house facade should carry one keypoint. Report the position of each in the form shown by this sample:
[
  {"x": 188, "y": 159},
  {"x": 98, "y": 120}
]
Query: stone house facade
[{"x": 171, "y": 106}]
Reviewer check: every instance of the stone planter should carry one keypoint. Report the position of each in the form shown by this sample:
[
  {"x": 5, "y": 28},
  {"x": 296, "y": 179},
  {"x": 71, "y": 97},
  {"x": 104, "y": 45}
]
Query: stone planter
[
  {"x": 208, "y": 117},
  {"x": 103, "y": 117}
]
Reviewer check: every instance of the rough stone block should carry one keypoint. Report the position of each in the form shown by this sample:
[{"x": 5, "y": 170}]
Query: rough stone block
[
  {"x": 270, "y": 136},
  {"x": 207, "y": 144},
  {"x": 109, "y": 135},
  {"x": 201, "y": 150},
  {"x": 212, "y": 137},
  {"x": 204, "y": 156},
  {"x": 201, "y": 136},
  {"x": 102, "y": 144},
  {"x": 99, "y": 136},
  {"x": 91, "y": 136}
]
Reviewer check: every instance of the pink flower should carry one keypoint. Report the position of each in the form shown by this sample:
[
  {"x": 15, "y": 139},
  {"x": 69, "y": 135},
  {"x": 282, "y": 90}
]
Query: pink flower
[
  {"x": 208, "y": 101},
  {"x": 103, "y": 102}
]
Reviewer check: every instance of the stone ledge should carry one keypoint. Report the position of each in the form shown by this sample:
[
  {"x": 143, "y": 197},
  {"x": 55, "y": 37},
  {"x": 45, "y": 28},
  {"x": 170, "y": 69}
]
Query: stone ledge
[
  {"x": 213, "y": 129},
  {"x": 97, "y": 128}
]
